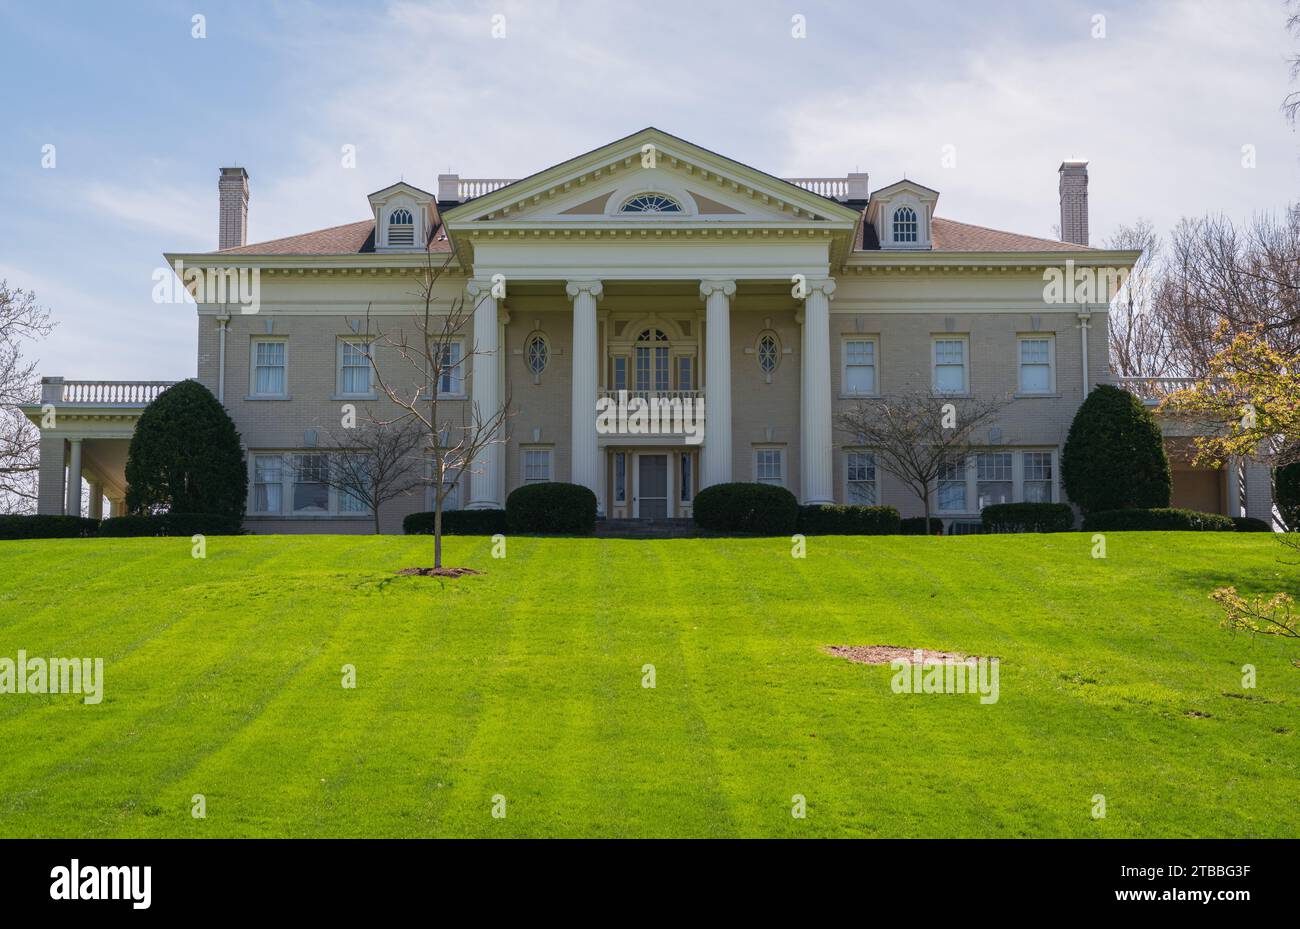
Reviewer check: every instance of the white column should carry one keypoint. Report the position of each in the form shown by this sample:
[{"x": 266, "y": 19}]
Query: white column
[
  {"x": 487, "y": 484},
  {"x": 583, "y": 451},
  {"x": 715, "y": 461},
  {"x": 96, "y": 500},
  {"x": 1259, "y": 490},
  {"x": 1084, "y": 317},
  {"x": 73, "y": 507},
  {"x": 1233, "y": 485},
  {"x": 815, "y": 461}
]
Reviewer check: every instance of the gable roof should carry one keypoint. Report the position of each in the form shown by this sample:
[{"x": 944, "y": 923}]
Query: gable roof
[{"x": 348, "y": 239}]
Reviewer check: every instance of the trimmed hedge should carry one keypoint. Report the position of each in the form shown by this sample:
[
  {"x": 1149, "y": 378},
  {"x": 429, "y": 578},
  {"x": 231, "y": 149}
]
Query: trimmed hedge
[
  {"x": 1161, "y": 519},
  {"x": 1114, "y": 456},
  {"x": 457, "y": 522},
  {"x": 1250, "y": 524},
  {"x": 1027, "y": 517},
  {"x": 47, "y": 527},
  {"x": 840, "y": 519},
  {"x": 551, "y": 507},
  {"x": 915, "y": 525},
  {"x": 169, "y": 524},
  {"x": 762, "y": 509}
]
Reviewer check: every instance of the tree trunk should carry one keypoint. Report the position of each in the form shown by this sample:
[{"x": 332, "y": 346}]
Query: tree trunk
[
  {"x": 376, "y": 512},
  {"x": 437, "y": 530},
  {"x": 925, "y": 502}
]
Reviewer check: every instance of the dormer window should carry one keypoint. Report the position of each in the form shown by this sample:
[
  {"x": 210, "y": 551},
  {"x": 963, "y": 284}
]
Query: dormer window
[
  {"x": 651, "y": 203},
  {"x": 905, "y": 224},
  {"x": 401, "y": 228}
]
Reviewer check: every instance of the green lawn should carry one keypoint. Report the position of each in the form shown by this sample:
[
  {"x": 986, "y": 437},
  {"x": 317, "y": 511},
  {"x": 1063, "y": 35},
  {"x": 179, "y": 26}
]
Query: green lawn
[{"x": 223, "y": 678}]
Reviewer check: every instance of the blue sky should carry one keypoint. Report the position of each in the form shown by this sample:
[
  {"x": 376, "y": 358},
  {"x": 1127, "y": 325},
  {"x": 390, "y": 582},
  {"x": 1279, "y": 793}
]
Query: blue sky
[{"x": 142, "y": 115}]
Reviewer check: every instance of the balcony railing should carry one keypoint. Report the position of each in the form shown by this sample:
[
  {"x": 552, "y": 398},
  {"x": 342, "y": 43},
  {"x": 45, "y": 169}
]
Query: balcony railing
[
  {"x": 467, "y": 188},
  {"x": 101, "y": 393},
  {"x": 837, "y": 188}
]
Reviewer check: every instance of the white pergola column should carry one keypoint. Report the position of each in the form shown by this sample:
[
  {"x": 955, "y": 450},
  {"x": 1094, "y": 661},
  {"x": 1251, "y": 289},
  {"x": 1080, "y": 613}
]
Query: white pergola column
[
  {"x": 73, "y": 505},
  {"x": 96, "y": 500},
  {"x": 585, "y": 466},
  {"x": 715, "y": 456},
  {"x": 487, "y": 481},
  {"x": 815, "y": 461}
]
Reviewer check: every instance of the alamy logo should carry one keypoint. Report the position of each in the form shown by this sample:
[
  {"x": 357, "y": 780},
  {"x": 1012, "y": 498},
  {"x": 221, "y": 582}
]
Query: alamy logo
[
  {"x": 918, "y": 675},
  {"x": 633, "y": 414},
  {"x": 219, "y": 286},
  {"x": 1082, "y": 285},
  {"x": 53, "y": 676},
  {"x": 88, "y": 882}
]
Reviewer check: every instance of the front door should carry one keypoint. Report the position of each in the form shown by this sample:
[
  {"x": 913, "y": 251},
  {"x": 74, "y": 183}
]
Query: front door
[{"x": 650, "y": 492}]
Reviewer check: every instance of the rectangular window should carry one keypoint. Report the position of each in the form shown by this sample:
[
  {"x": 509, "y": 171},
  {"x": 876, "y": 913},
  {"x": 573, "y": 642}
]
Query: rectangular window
[
  {"x": 952, "y": 486},
  {"x": 268, "y": 484},
  {"x": 993, "y": 479},
  {"x": 310, "y": 493},
  {"x": 452, "y": 381},
  {"x": 861, "y": 467},
  {"x": 685, "y": 482},
  {"x": 860, "y": 366},
  {"x": 1037, "y": 360},
  {"x": 354, "y": 369},
  {"x": 620, "y": 477},
  {"x": 537, "y": 465},
  {"x": 950, "y": 375},
  {"x": 620, "y": 372},
  {"x": 1038, "y": 477},
  {"x": 768, "y": 466},
  {"x": 269, "y": 367},
  {"x": 685, "y": 381}
]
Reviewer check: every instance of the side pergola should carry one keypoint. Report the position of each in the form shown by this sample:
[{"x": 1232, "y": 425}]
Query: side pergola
[{"x": 86, "y": 429}]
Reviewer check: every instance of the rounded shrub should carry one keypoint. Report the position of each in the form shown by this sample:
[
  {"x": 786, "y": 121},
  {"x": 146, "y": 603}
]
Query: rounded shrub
[
  {"x": 1250, "y": 524},
  {"x": 1027, "y": 517},
  {"x": 841, "y": 519},
  {"x": 1286, "y": 494},
  {"x": 915, "y": 525},
  {"x": 185, "y": 457},
  {"x": 1160, "y": 519},
  {"x": 47, "y": 527},
  {"x": 551, "y": 507},
  {"x": 168, "y": 524},
  {"x": 457, "y": 522},
  {"x": 1114, "y": 457},
  {"x": 763, "y": 509}
]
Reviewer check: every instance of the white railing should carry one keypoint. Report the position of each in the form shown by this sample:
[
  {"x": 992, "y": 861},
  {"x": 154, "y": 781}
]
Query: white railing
[
  {"x": 126, "y": 393},
  {"x": 837, "y": 188},
  {"x": 470, "y": 187},
  {"x": 1152, "y": 390}
]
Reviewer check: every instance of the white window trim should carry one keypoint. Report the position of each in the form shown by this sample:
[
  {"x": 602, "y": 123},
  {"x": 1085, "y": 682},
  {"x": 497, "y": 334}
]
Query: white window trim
[
  {"x": 523, "y": 463},
  {"x": 781, "y": 458},
  {"x": 287, "y": 469},
  {"x": 458, "y": 375},
  {"x": 252, "y": 367},
  {"x": 845, "y": 393},
  {"x": 1050, "y": 339},
  {"x": 964, "y": 338},
  {"x": 848, "y": 485},
  {"x": 339, "y": 392},
  {"x": 971, "y": 503}
]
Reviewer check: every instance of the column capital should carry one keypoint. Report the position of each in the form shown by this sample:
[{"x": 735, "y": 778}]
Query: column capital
[
  {"x": 595, "y": 288},
  {"x": 823, "y": 285},
  {"x": 710, "y": 287},
  {"x": 483, "y": 286}
]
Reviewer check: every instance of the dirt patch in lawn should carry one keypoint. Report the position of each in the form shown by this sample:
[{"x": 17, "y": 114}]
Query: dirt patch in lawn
[
  {"x": 439, "y": 572},
  {"x": 884, "y": 654}
]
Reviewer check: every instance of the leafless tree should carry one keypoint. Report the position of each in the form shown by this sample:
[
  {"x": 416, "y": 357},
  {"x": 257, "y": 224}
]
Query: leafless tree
[
  {"x": 915, "y": 435},
  {"x": 455, "y": 433},
  {"x": 1291, "y": 105},
  {"x": 22, "y": 320},
  {"x": 374, "y": 461},
  {"x": 1139, "y": 342}
]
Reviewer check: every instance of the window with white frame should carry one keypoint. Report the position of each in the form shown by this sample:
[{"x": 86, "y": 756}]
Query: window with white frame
[
  {"x": 952, "y": 486},
  {"x": 354, "y": 378},
  {"x": 536, "y": 465},
  {"x": 769, "y": 465},
  {"x": 993, "y": 478},
  {"x": 270, "y": 368},
  {"x": 451, "y": 383},
  {"x": 905, "y": 226},
  {"x": 401, "y": 227},
  {"x": 860, "y": 472},
  {"x": 620, "y": 477},
  {"x": 686, "y": 473},
  {"x": 268, "y": 484},
  {"x": 1038, "y": 478},
  {"x": 310, "y": 492},
  {"x": 950, "y": 370},
  {"x": 297, "y": 484},
  {"x": 620, "y": 372},
  {"x": 768, "y": 352},
  {"x": 859, "y": 366},
  {"x": 1037, "y": 364},
  {"x": 685, "y": 372},
  {"x": 537, "y": 353}
]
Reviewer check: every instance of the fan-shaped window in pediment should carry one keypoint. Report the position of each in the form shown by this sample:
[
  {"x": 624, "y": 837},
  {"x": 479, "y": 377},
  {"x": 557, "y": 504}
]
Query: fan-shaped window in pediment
[{"x": 651, "y": 203}]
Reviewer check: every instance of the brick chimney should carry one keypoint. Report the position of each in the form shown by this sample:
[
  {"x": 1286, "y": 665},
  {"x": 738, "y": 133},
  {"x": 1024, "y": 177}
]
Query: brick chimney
[
  {"x": 232, "y": 230},
  {"x": 1074, "y": 202}
]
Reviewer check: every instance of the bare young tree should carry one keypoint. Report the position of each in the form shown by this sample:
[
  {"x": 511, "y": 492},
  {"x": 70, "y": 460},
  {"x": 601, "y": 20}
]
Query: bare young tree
[
  {"x": 1291, "y": 105},
  {"x": 22, "y": 320},
  {"x": 374, "y": 461},
  {"x": 916, "y": 435},
  {"x": 1139, "y": 341},
  {"x": 455, "y": 433}
]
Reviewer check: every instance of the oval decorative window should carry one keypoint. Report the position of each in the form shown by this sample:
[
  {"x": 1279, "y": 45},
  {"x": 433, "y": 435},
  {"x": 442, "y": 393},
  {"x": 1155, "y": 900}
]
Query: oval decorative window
[
  {"x": 536, "y": 353},
  {"x": 768, "y": 352},
  {"x": 651, "y": 203}
]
